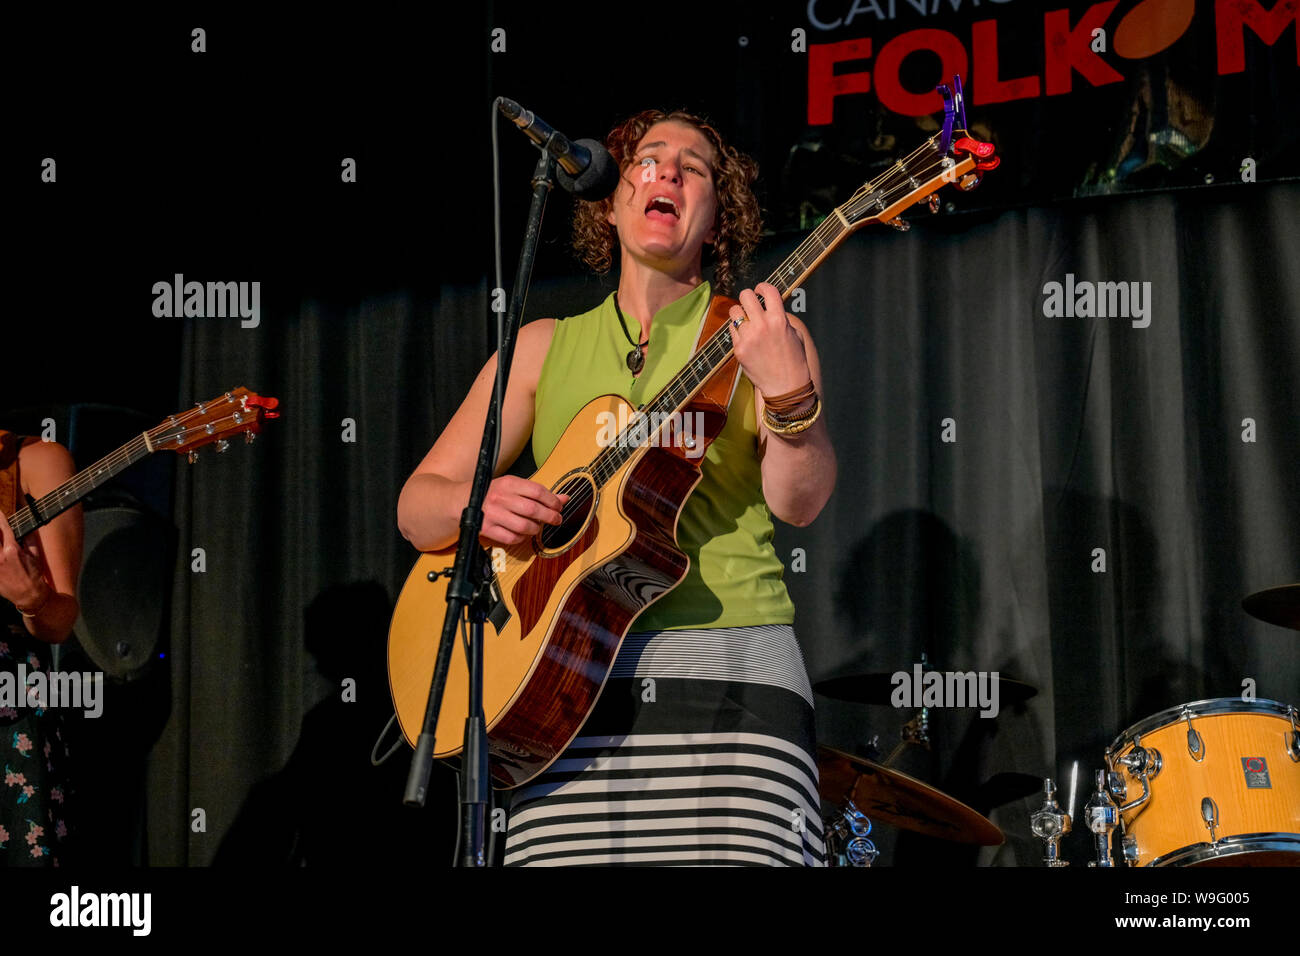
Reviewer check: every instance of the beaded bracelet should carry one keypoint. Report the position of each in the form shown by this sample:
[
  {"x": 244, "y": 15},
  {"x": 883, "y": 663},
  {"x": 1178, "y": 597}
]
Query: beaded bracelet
[
  {"x": 793, "y": 426},
  {"x": 796, "y": 415}
]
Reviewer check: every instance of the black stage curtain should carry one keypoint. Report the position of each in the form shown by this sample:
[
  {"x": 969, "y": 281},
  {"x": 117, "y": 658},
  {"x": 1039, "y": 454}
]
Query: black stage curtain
[{"x": 1071, "y": 434}]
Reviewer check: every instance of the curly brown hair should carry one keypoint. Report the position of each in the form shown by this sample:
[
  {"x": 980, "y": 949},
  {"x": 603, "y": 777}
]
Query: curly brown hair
[{"x": 738, "y": 225}]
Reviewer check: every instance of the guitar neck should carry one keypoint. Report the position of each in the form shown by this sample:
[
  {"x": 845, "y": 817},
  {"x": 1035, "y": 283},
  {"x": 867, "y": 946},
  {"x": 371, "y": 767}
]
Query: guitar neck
[
  {"x": 906, "y": 182},
  {"x": 797, "y": 267},
  {"x": 715, "y": 352},
  {"x": 238, "y": 411},
  {"x": 28, "y": 519}
]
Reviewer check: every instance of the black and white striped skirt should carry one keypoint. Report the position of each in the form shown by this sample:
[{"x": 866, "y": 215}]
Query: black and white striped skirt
[{"x": 699, "y": 752}]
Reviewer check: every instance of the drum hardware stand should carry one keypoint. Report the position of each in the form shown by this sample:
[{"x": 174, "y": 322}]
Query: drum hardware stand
[
  {"x": 1129, "y": 847},
  {"x": 1143, "y": 764},
  {"x": 1049, "y": 823},
  {"x": 846, "y": 829},
  {"x": 846, "y": 837},
  {"x": 1101, "y": 816},
  {"x": 915, "y": 731}
]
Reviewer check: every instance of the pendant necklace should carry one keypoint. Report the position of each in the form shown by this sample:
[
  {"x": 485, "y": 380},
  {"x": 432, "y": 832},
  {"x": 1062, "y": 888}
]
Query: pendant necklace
[{"x": 636, "y": 357}]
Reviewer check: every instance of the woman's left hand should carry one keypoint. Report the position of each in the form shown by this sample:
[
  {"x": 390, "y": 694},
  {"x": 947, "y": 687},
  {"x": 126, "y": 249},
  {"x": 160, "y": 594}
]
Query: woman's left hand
[
  {"x": 22, "y": 581},
  {"x": 769, "y": 350}
]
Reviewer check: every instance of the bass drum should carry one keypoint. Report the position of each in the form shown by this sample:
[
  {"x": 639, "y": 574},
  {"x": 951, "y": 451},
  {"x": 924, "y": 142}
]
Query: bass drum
[{"x": 1212, "y": 783}]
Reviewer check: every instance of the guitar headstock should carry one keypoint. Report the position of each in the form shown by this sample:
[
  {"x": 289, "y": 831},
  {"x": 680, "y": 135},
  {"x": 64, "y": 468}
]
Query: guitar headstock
[
  {"x": 237, "y": 412},
  {"x": 952, "y": 156}
]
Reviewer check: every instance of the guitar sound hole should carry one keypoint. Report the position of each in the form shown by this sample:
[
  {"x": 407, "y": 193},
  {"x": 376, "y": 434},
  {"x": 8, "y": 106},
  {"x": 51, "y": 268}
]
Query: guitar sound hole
[{"x": 576, "y": 512}]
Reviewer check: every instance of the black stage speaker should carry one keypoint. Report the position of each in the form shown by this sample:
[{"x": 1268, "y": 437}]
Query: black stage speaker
[{"x": 125, "y": 589}]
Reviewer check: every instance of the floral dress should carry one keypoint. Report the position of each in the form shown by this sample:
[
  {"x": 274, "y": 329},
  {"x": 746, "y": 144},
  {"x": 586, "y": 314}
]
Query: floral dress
[
  {"x": 33, "y": 828},
  {"x": 32, "y": 755}
]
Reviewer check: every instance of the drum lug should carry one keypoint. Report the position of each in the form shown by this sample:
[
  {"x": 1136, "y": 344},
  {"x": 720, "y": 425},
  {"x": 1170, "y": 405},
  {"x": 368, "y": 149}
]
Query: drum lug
[
  {"x": 1130, "y": 845},
  {"x": 1210, "y": 814},
  {"x": 1195, "y": 745},
  {"x": 1293, "y": 738}
]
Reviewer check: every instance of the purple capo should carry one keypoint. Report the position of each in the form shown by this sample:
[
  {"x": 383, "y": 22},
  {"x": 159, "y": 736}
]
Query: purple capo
[{"x": 954, "y": 109}]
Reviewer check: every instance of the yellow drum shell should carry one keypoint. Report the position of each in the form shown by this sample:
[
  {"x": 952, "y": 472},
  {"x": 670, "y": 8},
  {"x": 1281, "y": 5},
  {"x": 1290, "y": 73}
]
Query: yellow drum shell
[{"x": 1242, "y": 742}]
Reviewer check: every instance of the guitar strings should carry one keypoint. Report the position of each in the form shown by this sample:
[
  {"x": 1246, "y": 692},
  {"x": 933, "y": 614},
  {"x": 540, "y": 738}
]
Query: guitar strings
[
  {"x": 705, "y": 362},
  {"x": 114, "y": 461},
  {"x": 820, "y": 235}
]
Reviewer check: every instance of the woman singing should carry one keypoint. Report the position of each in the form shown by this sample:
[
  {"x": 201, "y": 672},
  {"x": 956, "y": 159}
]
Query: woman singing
[{"x": 701, "y": 748}]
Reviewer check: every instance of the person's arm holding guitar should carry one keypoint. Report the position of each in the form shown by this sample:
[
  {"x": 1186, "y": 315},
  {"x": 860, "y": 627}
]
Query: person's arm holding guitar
[
  {"x": 39, "y": 574},
  {"x": 777, "y": 354},
  {"x": 429, "y": 508}
]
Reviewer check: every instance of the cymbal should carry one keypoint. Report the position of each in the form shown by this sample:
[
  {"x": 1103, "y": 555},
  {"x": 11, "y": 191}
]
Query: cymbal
[
  {"x": 879, "y": 689},
  {"x": 905, "y": 802},
  {"x": 1279, "y": 605}
]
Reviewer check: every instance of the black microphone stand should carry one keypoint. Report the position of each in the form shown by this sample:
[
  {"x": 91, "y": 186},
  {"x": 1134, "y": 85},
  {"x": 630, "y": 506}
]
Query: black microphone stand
[{"x": 469, "y": 587}]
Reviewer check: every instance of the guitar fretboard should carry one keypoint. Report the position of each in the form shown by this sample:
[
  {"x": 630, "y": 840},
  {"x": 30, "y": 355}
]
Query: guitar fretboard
[
  {"x": 26, "y": 520},
  {"x": 711, "y": 356},
  {"x": 903, "y": 184},
  {"x": 234, "y": 412}
]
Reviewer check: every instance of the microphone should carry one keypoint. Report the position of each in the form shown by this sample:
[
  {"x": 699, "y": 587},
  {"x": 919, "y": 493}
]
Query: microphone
[{"x": 586, "y": 168}]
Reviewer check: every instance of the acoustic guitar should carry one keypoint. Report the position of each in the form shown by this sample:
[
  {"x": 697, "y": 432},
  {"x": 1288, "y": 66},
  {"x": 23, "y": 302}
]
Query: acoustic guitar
[{"x": 564, "y": 599}]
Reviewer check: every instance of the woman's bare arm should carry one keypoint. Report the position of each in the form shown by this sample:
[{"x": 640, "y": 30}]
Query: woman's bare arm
[
  {"x": 428, "y": 511},
  {"x": 39, "y": 576}
]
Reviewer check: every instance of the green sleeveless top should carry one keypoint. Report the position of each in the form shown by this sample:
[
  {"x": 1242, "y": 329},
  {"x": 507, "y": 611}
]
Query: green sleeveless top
[{"x": 726, "y": 528}]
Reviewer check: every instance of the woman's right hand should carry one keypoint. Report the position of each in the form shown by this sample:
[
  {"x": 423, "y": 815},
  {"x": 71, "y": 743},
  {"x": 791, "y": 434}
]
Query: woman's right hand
[
  {"x": 429, "y": 507},
  {"x": 515, "y": 509}
]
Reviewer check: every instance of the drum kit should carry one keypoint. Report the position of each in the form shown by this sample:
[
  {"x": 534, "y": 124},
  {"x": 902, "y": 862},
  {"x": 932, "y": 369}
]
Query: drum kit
[{"x": 1209, "y": 783}]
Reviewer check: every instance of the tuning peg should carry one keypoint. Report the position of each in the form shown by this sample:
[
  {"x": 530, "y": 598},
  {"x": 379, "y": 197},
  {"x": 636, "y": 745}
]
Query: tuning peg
[
  {"x": 934, "y": 202},
  {"x": 222, "y": 445},
  {"x": 902, "y": 225},
  {"x": 248, "y": 437},
  {"x": 969, "y": 182},
  {"x": 192, "y": 457}
]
